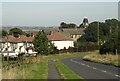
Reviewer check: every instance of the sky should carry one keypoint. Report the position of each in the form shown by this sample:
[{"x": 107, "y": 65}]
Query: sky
[{"x": 53, "y": 13}]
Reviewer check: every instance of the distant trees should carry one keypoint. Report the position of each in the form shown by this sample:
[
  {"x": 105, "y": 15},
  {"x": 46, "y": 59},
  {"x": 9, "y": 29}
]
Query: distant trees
[
  {"x": 64, "y": 25},
  {"x": 4, "y": 32},
  {"x": 42, "y": 45},
  {"x": 15, "y": 31}
]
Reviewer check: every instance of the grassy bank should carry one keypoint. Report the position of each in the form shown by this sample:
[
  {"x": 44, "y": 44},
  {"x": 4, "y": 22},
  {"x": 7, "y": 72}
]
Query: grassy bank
[
  {"x": 105, "y": 59},
  {"x": 36, "y": 70}
]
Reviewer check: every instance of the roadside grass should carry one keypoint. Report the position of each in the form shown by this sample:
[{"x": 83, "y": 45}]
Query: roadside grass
[
  {"x": 0, "y": 61},
  {"x": 66, "y": 72},
  {"x": 67, "y": 55},
  {"x": 38, "y": 70},
  {"x": 35, "y": 71},
  {"x": 37, "y": 67},
  {"x": 105, "y": 59}
]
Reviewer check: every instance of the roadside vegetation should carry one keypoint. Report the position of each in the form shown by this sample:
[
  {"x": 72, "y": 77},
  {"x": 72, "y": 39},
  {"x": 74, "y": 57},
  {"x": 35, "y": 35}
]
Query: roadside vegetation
[
  {"x": 104, "y": 58},
  {"x": 30, "y": 68},
  {"x": 37, "y": 67}
]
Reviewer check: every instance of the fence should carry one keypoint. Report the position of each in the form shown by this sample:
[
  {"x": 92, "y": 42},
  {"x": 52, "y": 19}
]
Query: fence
[{"x": 79, "y": 49}]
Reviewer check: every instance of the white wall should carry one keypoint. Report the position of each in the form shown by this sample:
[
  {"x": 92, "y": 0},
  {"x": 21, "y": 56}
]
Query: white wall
[
  {"x": 62, "y": 44},
  {"x": 20, "y": 44}
]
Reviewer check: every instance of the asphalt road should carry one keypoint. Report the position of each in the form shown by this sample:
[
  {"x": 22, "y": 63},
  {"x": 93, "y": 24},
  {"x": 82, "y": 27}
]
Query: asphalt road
[{"x": 91, "y": 70}]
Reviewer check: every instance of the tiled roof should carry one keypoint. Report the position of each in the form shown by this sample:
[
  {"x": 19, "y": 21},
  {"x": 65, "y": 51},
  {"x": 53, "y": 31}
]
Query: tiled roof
[
  {"x": 78, "y": 31},
  {"x": 58, "y": 36},
  {"x": 21, "y": 38},
  {"x": 53, "y": 36}
]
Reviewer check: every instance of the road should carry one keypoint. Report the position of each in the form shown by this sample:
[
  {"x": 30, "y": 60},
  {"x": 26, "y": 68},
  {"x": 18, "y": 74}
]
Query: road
[{"x": 91, "y": 70}]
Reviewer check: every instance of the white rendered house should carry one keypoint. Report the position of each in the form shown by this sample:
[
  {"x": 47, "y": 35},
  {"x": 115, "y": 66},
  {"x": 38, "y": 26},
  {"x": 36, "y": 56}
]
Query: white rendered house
[{"x": 60, "y": 40}]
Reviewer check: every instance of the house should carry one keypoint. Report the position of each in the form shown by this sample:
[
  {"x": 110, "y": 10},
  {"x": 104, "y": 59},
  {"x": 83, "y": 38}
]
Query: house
[
  {"x": 74, "y": 33},
  {"x": 60, "y": 40},
  {"x": 23, "y": 44},
  {"x": 17, "y": 44}
]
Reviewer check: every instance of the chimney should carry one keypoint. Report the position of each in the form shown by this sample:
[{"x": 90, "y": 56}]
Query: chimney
[
  {"x": 51, "y": 33},
  {"x": 33, "y": 34}
]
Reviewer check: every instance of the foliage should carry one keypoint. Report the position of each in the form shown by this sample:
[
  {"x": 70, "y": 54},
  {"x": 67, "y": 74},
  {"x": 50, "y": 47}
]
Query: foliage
[
  {"x": 42, "y": 45},
  {"x": 105, "y": 59},
  {"x": 112, "y": 45},
  {"x": 91, "y": 32},
  {"x": 28, "y": 34},
  {"x": 64, "y": 25},
  {"x": 118, "y": 43},
  {"x": 16, "y": 31},
  {"x": 4, "y": 32},
  {"x": 108, "y": 35}
]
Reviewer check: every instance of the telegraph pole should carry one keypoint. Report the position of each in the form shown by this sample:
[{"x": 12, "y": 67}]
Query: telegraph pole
[
  {"x": 117, "y": 41},
  {"x": 98, "y": 33}
]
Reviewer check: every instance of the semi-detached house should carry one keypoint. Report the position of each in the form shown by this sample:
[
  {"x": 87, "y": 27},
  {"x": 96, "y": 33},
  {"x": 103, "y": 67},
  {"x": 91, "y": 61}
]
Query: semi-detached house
[{"x": 21, "y": 43}]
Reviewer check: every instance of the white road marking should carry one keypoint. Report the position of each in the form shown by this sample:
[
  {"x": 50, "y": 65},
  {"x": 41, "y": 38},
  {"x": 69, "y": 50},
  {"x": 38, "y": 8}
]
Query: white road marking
[
  {"x": 95, "y": 68},
  {"x": 117, "y": 75},
  {"x": 82, "y": 64},
  {"x": 87, "y": 65},
  {"x": 104, "y": 71}
]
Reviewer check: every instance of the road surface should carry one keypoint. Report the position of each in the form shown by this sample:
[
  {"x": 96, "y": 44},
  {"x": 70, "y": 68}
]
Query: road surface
[{"x": 91, "y": 70}]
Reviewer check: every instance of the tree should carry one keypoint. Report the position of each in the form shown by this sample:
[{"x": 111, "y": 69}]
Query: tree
[
  {"x": 16, "y": 31},
  {"x": 70, "y": 25},
  {"x": 90, "y": 33},
  {"x": 28, "y": 34},
  {"x": 109, "y": 35},
  {"x": 42, "y": 45},
  {"x": 118, "y": 39},
  {"x": 112, "y": 45},
  {"x": 4, "y": 32}
]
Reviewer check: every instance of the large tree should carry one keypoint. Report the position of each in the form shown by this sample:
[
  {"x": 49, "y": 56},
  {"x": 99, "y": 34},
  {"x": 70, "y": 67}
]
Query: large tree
[
  {"x": 108, "y": 35},
  {"x": 42, "y": 45}
]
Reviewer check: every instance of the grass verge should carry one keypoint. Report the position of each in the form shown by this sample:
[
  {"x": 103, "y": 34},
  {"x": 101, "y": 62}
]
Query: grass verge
[
  {"x": 39, "y": 69},
  {"x": 66, "y": 72},
  {"x": 105, "y": 59}
]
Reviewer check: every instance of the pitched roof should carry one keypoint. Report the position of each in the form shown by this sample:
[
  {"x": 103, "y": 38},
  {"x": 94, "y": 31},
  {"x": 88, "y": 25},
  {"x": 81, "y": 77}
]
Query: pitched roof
[
  {"x": 58, "y": 36},
  {"x": 73, "y": 31},
  {"x": 21, "y": 38}
]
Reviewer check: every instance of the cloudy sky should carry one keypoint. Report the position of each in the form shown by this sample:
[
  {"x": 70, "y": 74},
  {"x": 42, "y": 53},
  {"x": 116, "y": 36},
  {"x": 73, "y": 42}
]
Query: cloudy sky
[{"x": 52, "y": 13}]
